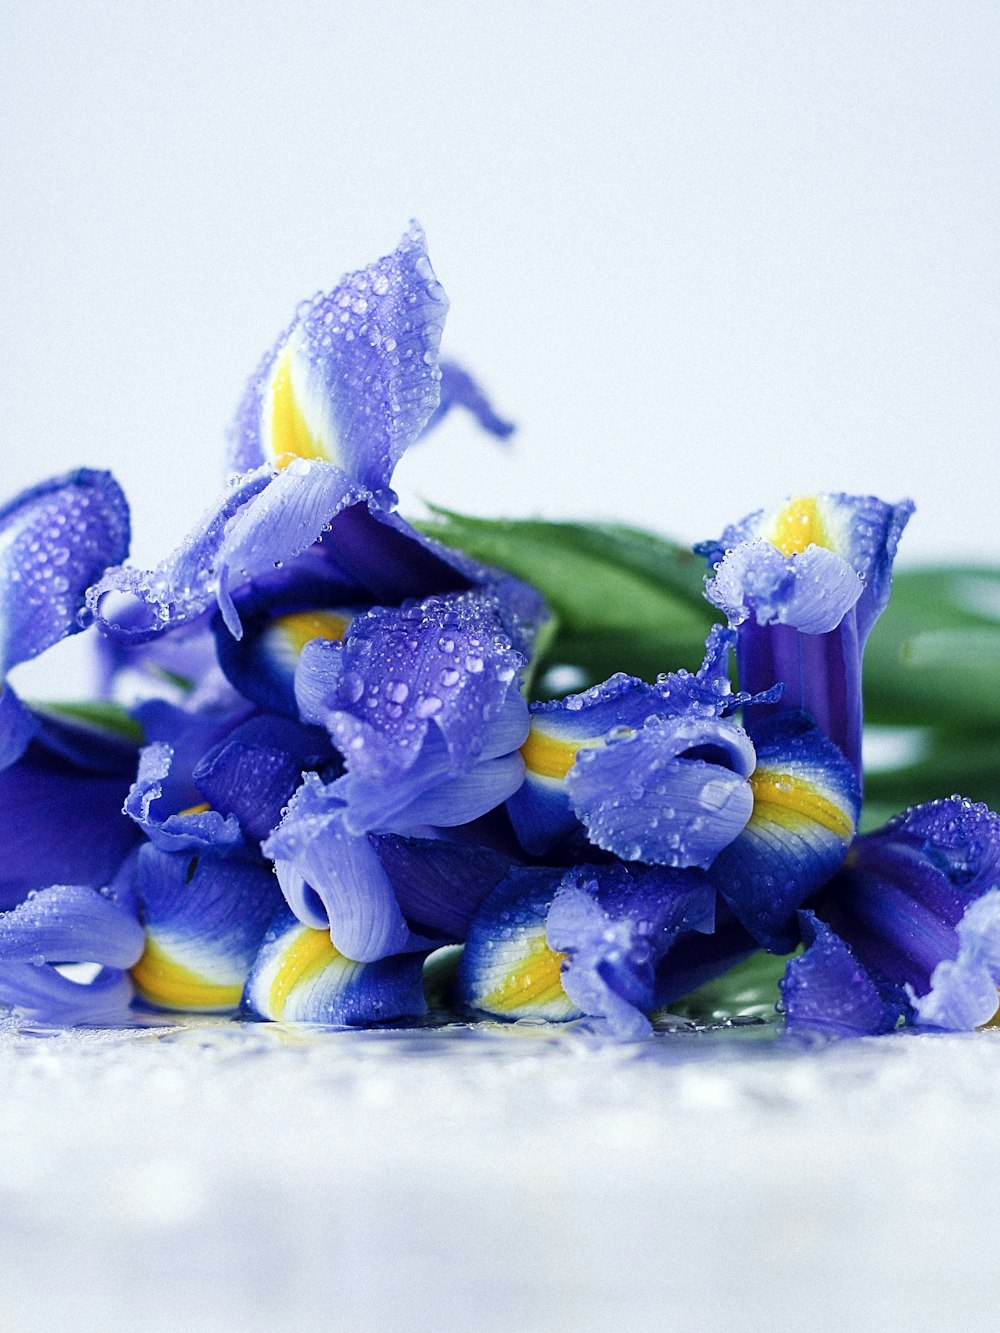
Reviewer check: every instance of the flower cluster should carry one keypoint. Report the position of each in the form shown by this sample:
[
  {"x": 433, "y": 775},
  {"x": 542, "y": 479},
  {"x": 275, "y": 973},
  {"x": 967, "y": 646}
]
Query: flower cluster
[{"x": 316, "y": 776}]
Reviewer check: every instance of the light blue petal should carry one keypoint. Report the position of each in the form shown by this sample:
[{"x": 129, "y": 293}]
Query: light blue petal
[
  {"x": 300, "y": 977},
  {"x": 674, "y": 793},
  {"x": 320, "y": 862},
  {"x": 811, "y": 591},
  {"x": 355, "y": 378},
  {"x": 963, "y": 993},
  {"x": 55, "y": 540},
  {"x": 70, "y": 924}
]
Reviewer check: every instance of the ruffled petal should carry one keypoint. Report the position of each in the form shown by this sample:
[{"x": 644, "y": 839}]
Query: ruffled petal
[
  {"x": 55, "y": 540},
  {"x": 205, "y": 915},
  {"x": 355, "y": 378},
  {"x": 673, "y": 793},
  {"x": 299, "y": 977},
  {"x": 963, "y": 991},
  {"x": 805, "y": 811},
  {"x": 253, "y": 773},
  {"x": 615, "y": 924},
  {"x": 826, "y": 990},
  {"x": 445, "y": 662},
  {"x": 862, "y": 530},
  {"x": 192, "y": 827},
  {"x": 811, "y": 591},
  {"x": 332, "y": 877}
]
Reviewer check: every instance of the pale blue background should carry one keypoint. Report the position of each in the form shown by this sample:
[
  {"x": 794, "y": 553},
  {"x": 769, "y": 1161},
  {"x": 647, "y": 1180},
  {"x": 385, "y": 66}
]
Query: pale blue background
[{"x": 706, "y": 254}]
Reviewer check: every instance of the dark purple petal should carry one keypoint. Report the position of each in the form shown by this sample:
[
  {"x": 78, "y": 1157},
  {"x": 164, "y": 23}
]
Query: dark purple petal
[
  {"x": 439, "y": 885},
  {"x": 59, "y": 824},
  {"x": 827, "y": 991},
  {"x": 903, "y": 895}
]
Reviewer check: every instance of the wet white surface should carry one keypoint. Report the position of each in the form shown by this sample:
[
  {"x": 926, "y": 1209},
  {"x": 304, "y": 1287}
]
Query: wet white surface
[{"x": 214, "y": 1176}]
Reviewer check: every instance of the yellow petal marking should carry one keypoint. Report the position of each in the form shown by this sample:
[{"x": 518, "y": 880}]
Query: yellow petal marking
[
  {"x": 549, "y": 757},
  {"x": 290, "y": 434},
  {"x": 196, "y": 809},
  {"x": 309, "y": 953},
  {"x": 799, "y": 525},
  {"x": 781, "y": 798},
  {"x": 535, "y": 980},
  {"x": 302, "y": 626},
  {"x": 170, "y": 985}
]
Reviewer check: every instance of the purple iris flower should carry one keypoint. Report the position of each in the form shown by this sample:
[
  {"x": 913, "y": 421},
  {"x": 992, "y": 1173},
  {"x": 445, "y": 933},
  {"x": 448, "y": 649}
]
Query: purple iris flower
[
  {"x": 909, "y": 927},
  {"x": 348, "y": 387},
  {"x": 423, "y": 703},
  {"x": 804, "y": 584}
]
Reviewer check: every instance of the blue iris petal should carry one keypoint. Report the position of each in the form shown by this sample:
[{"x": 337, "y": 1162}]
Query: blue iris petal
[
  {"x": 616, "y": 923},
  {"x": 149, "y": 804},
  {"x": 805, "y": 583},
  {"x": 696, "y": 958},
  {"x": 60, "y": 823},
  {"x": 917, "y": 902},
  {"x": 183, "y": 586},
  {"x": 445, "y": 663},
  {"x": 963, "y": 991},
  {"x": 17, "y": 726},
  {"x": 812, "y": 591},
  {"x": 440, "y": 885},
  {"x": 566, "y": 734},
  {"x": 805, "y": 810},
  {"x": 299, "y": 977},
  {"x": 355, "y": 378},
  {"x": 459, "y": 389},
  {"x": 68, "y": 924},
  {"x": 673, "y": 793},
  {"x": 861, "y": 529},
  {"x": 48, "y": 997},
  {"x": 827, "y": 991},
  {"x": 333, "y": 877},
  {"x": 507, "y": 968},
  {"x": 205, "y": 915},
  {"x": 255, "y": 770},
  {"x": 55, "y": 540}
]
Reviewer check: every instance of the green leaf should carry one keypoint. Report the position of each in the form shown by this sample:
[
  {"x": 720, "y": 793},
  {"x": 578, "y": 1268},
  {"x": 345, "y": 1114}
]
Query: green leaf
[
  {"x": 99, "y": 715},
  {"x": 624, "y": 599},
  {"x": 935, "y": 653},
  {"x": 948, "y": 761}
]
